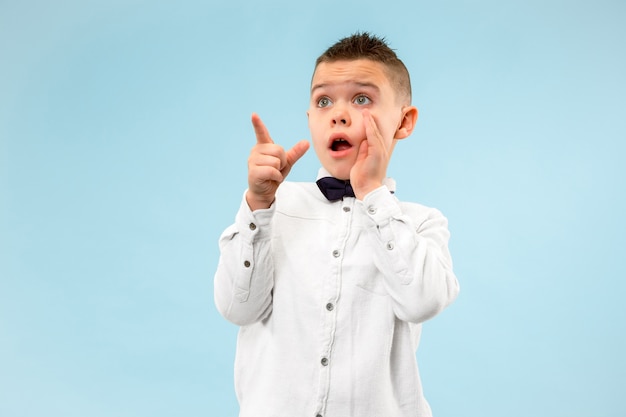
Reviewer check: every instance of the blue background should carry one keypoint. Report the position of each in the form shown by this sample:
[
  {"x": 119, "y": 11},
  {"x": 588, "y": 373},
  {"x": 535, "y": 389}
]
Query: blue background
[{"x": 124, "y": 134}]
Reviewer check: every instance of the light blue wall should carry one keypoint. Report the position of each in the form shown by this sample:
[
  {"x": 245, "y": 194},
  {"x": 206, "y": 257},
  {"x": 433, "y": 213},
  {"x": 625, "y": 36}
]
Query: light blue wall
[{"x": 124, "y": 134}]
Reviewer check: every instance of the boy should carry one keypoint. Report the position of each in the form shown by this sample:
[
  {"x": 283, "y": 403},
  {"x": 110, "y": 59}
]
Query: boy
[{"x": 330, "y": 288}]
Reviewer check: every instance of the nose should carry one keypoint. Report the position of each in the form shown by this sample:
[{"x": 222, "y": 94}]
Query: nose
[{"x": 341, "y": 116}]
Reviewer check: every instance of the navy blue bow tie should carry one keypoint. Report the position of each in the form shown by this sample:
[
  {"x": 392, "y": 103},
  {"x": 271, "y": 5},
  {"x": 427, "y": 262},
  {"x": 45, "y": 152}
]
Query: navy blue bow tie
[{"x": 334, "y": 189}]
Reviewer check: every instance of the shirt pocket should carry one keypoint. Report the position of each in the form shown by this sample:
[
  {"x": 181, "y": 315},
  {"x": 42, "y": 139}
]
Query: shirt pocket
[{"x": 365, "y": 276}]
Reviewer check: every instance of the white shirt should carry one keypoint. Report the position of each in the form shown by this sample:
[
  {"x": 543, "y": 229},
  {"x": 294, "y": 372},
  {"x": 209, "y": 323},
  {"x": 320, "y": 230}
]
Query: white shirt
[{"x": 330, "y": 297}]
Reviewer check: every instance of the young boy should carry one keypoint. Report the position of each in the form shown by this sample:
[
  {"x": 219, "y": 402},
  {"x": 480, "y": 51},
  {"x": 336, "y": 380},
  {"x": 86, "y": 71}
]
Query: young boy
[{"x": 330, "y": 288}]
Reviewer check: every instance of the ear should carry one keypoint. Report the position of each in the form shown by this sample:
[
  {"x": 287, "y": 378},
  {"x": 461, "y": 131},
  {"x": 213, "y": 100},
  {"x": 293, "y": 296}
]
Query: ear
[{"x": 409, "y": 118}]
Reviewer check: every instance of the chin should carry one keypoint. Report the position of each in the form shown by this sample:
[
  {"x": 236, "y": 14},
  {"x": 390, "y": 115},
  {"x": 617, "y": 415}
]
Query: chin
[
  {"x": 340, "y": 175},
  {"x": 341, "y": 172}
]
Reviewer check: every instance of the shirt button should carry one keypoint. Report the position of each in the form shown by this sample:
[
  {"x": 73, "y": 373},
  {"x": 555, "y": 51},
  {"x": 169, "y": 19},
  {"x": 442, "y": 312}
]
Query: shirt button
[
  {"x": 324, "y": 361},
  {"x": 246, "y": 264},
  {"x": 390, "y": 245},
  {"x": 336, "y": 253},
  {"x": 346, "y": 209},
  {"x": 252, "y": 226},
  {"x": 371, "y": 210},
  {"x": 330, "y": 306}
]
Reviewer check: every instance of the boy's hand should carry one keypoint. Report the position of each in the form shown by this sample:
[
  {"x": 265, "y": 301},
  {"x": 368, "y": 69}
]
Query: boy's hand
[
  {"x": 268, "y": 166},
  {"x": 370, "y": 168}
]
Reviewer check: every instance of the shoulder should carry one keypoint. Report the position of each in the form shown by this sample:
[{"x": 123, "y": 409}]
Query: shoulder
[
  {"x": 420, "y": 212},
  {"x": 409, "y": 206}
]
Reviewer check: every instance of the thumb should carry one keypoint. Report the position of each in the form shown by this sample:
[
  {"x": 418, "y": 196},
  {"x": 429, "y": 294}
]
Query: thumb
[{"x": 294, "y": 154}]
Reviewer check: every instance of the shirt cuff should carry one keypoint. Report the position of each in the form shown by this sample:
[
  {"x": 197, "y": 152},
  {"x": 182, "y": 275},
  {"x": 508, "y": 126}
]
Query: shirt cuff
[
  {"x": 381, "y": 205},
  {"x": 254, "y": 223}
]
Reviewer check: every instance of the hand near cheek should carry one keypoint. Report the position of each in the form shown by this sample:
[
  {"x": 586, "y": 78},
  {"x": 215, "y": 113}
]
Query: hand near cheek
[
  {"x": 370, "y": 168},
  {"x": 268, "y": 166}
]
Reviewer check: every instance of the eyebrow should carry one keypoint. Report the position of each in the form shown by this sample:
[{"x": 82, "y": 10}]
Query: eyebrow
[{"x": 357, "y": 83}]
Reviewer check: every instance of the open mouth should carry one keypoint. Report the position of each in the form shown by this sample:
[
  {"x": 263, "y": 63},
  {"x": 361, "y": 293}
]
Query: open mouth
[{"x": 340, "y": 144}]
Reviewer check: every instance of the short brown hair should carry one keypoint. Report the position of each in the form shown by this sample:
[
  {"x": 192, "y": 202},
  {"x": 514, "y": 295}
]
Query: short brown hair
[{"x": 362, "y": 45}]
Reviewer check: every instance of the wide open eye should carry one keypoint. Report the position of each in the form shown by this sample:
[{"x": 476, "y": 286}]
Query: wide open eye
[
  {"x": 324, "y": 102},
  {"x": 362, "y": 100}
]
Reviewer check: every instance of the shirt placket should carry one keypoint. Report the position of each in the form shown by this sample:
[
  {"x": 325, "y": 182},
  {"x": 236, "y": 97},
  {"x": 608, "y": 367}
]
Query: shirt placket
[{"x": 331, "y": 299}]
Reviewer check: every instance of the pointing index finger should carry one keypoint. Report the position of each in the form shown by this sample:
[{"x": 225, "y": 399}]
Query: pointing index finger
[{"x": 262, "y": 135}]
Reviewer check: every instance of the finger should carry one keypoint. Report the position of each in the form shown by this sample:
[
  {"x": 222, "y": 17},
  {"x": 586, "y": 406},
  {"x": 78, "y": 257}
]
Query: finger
[
  {"x": 262, "y": 173},
  {"x": 262, "y": 135},
  {"x": 266, "y": 160},
  {"x": 270, "y": 150},
  {"x": 375, "y": 139},
  {"x": 294, "y": 154}
]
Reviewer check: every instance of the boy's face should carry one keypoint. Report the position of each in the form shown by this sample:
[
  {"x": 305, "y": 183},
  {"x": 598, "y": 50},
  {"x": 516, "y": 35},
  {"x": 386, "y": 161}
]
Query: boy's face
[{"x": 340, "y": 91}]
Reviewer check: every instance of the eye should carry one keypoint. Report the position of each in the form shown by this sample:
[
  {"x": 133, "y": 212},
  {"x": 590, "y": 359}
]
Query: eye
[
  {"x": 324, "y": 102},
  {"x": 362, "y": 100}
]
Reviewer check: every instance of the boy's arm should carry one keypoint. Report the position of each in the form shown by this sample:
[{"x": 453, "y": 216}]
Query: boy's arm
[
  {"x": 244, "y": 277},
  {"x": 413, "y": 256},
  {"x": 245, "y": 273},
  {"x": 411, "y": 253}
]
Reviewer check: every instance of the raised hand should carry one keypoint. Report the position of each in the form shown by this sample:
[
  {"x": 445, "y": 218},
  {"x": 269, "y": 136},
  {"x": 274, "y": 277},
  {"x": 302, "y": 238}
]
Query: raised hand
[
  {"x": 370, "y": 168},
  {"x": 268, "y": 166}
]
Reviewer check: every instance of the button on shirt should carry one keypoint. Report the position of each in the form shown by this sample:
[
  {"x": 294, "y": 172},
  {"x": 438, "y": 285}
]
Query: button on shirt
[{"x": 330, "y": 297}]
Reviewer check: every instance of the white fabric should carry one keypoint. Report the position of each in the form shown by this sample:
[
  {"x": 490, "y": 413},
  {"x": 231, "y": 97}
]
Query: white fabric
[{"x": 330, "y": 297}]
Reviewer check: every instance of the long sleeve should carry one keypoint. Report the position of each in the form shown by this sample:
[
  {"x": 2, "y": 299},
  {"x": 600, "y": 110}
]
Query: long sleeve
[
  {"x": 412, "y": 254},
  {"x": 245, "y": 274}
]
